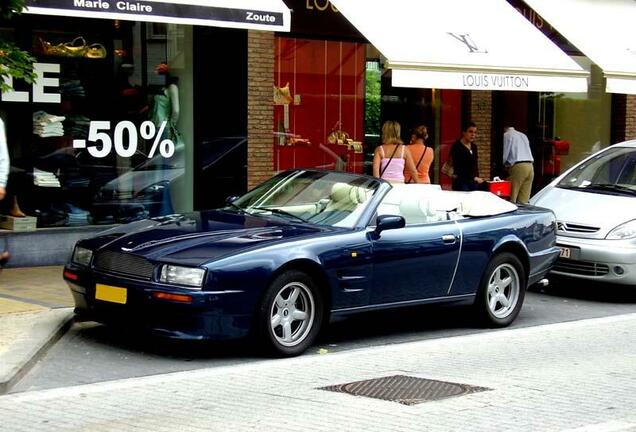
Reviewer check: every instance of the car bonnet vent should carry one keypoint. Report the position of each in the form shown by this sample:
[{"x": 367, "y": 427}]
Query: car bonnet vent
[{"x": 575, "y": 228}]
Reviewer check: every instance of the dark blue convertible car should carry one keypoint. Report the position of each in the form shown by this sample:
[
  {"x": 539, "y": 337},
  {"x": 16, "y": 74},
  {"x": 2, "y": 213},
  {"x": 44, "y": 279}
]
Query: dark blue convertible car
[{"x": 308, "y": 245}]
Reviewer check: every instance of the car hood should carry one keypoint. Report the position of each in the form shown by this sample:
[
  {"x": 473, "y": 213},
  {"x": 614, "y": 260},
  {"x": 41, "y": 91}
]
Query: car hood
[
  {"x": 593, "y": 215},
  {"x": 197, "y": 238}
]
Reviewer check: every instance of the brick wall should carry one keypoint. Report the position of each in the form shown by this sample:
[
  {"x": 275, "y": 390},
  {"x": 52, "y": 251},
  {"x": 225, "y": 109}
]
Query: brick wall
[
  {"x": 623, "y": 118},
  {"x": 630, "y": 117},
  {"x": 260, "y": 108},
  {"x": 478, "y": 108}
]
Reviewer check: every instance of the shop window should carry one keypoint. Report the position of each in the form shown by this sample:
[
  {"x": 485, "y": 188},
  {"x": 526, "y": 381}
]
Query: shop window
[
  {"x": 319, "y": 110},
  {"x": 108, "y": 138}
]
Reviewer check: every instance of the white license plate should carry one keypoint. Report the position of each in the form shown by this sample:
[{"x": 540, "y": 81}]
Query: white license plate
[{"x": 565, "y": 252}]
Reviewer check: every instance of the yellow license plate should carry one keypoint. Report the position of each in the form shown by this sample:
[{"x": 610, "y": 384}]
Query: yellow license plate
[{"x": 111, "y": 294}]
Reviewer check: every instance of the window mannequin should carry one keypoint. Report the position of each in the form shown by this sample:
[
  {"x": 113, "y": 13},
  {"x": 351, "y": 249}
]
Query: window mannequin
[{"x": 165, "y": 105}]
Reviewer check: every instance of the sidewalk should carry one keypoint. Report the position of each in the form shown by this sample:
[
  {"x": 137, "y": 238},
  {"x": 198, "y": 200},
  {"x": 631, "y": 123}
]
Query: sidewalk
[
  {"x": 576, "y": 377},
  {"x": 35, "y": 310}
]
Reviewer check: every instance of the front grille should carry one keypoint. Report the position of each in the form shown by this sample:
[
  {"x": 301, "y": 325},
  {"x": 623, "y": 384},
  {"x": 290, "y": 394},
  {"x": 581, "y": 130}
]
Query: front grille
[
  {"x": 123, "y": 263},
  {"x": 582, "y": 268},
  {"x": 574, "y": 228}
]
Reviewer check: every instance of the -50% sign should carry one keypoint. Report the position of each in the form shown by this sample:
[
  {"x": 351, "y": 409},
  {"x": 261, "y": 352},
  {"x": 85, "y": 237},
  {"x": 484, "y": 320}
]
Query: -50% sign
[{"x": 125, "y": 148}]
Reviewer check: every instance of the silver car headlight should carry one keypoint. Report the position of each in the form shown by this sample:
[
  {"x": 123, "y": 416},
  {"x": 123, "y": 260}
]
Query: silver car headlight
[
  {"x": 82, "y": 256},
  {"x": 623, "y": 232},
  {"x": 188, "y": 276}
]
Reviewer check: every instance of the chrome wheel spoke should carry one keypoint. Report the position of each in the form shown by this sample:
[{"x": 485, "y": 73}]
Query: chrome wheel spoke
[
  {"x": 493, "y": 303},
  {"x": 299, "y": 315},
  {"x": 276, "y": 319},
  {"x": 293, "y": 296},
  {"x": 287, "y": 331},
  {"x": 280, "y": 301},
  {"x": 505, "y": 282},
  {"x": 504, "y": 300}
]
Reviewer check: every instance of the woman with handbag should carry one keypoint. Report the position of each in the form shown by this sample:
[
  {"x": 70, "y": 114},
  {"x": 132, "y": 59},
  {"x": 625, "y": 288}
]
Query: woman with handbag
[
  {"x": 390, "y": 159},
  {"x": 463, "y": 154},
  {"x": 421, "y": 153}
]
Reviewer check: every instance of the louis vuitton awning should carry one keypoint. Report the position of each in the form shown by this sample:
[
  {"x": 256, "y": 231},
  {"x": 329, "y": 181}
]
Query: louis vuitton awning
[
  {"x": 463, "y": 44},
  {"x": 246, "y": 14},
  {"x": 602, "y": 30}
]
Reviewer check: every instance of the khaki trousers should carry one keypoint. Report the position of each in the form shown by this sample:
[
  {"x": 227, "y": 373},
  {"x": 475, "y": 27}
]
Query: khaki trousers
[{"x": 521, "y": 176}]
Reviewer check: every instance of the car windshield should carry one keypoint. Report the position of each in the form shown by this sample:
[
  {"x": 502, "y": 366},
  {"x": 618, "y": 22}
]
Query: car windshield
[
  {"x": 611, "y": 172},
  {"x": 323, "y": 198}
]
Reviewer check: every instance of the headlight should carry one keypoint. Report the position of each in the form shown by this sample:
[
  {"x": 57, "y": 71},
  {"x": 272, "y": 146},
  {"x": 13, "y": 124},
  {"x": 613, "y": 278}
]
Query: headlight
[
  {"x": 623, "y": 232},
  {"x": 192, "y": 277},
  {"x": 82, "y": 256}
]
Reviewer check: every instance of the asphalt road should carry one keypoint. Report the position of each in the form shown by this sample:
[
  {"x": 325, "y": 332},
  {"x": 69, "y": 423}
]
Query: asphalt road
[{"x": 91, "y": 353}]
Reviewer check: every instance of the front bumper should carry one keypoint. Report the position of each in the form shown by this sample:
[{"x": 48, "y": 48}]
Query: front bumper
[
  {"x": 612, "y": 261},
  {"x": 210, "y": 315}
]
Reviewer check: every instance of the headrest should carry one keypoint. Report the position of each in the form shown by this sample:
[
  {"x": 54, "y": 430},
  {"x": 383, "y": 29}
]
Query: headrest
[
  {"x": 345, "y": 192},
  {"x": 410, "y": 206}
]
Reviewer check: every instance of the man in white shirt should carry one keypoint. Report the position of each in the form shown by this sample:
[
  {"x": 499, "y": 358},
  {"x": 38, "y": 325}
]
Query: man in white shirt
[
  {"x": 4, "y": 176},
  {"x": 517, "y": 157}
]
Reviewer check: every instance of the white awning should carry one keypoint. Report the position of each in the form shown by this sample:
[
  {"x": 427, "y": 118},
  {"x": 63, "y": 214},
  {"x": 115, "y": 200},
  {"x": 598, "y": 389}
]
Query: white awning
[
  {"x": 602, "y": 30},
  {"x": 463, "y": 44},
  {"x": 246, "y": 14}
]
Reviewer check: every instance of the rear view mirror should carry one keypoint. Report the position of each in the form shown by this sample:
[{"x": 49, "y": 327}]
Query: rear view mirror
[{"x": 231, "y": 199}]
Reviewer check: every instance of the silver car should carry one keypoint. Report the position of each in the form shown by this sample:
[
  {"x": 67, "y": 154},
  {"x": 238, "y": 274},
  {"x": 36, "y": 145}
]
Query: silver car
[{"x": 595, "y": 206}]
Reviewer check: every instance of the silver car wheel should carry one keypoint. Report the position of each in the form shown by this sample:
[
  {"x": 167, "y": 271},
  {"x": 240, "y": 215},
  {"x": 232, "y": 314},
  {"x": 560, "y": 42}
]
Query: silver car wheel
[
  {"x": 503, "y": 290},
  {"x": 292, "y": 314}
]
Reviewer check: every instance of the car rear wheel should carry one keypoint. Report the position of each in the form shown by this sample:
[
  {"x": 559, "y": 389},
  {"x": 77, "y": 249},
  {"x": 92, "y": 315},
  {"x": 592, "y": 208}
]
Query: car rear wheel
[
  {"x": 502, "y": 290},
  {"x": 291, "y": 314}
]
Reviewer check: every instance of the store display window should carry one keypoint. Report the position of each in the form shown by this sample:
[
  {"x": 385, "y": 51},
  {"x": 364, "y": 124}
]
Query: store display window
[
  {"x": 104, "y": 135},
  {"x": 319, "y": 111}
]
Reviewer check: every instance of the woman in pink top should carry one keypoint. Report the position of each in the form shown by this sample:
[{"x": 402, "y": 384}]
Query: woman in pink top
[
  {"x": 422, "y": 155},
  {"x": 390, "y": 159}
]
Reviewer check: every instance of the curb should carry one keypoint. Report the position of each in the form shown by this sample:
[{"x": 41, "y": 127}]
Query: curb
[{"x": 25, "y": 357}]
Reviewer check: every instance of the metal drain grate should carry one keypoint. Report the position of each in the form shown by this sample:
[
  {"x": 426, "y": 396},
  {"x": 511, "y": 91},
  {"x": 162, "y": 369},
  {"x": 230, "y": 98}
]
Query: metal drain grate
[{"x": 405, "y": 389}]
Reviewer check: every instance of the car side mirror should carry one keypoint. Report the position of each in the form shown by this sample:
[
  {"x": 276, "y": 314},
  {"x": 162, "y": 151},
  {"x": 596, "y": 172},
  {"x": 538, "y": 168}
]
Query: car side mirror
[
  {"x": 231, "y": 199},
  {"x": 387, "y": 222}
]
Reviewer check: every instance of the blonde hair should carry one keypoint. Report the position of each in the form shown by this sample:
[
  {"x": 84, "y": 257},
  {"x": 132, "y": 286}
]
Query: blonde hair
[{"x": 391, "y": 131}]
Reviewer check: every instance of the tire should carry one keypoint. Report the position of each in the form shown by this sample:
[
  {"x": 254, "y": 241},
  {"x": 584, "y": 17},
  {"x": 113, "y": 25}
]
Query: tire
[
  {"x": 501, "y": 291},
  {"x": 287, "y": 326}
]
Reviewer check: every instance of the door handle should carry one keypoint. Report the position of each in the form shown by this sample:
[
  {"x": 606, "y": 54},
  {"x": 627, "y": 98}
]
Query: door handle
[{"x": 449, "y": 238}]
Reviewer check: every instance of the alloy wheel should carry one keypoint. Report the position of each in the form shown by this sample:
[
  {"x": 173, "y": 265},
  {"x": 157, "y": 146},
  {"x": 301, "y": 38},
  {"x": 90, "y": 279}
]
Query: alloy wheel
[
  {"x": 503, "y": 290},
  {"x": 292, "y": 314}
]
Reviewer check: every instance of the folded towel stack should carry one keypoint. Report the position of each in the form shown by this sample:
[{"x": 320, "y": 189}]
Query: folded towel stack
[
  {"x": 45, "y": 179},
  {"x": 47, "y": 125}
]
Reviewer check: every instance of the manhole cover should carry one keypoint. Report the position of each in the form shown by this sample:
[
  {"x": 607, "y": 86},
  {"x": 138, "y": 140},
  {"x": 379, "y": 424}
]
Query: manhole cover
[{"x": 405, "y": 389}]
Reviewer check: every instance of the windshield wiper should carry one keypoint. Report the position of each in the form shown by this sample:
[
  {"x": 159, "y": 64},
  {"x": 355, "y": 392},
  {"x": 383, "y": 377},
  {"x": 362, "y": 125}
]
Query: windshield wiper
[
  {"x": 234, "y": 206},
  {"x": 611, "y": 188},
  {"x": 280, "y": 212}
]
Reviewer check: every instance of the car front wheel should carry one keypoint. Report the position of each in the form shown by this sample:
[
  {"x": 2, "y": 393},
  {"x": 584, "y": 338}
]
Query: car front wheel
[
  {"x": 290, "y": 314},
  {"x": 502, "y": 290}
]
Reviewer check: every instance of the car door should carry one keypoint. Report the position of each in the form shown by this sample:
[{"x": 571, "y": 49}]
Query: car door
[{"x": 414, "y": 262}]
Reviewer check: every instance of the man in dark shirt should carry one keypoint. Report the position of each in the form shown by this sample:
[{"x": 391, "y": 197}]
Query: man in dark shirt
[{"x": 464, "y": 157}]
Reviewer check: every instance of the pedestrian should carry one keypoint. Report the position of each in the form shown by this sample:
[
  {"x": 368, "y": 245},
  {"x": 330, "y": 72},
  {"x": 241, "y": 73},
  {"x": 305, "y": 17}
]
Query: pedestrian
[
  {"x": 4, "y": 175},
  {"x": 390, "y": 159},
  {"x": 463, "y": 153},
  {"x": 421, "y": 153},
  {"x": 518, "y": 160}
]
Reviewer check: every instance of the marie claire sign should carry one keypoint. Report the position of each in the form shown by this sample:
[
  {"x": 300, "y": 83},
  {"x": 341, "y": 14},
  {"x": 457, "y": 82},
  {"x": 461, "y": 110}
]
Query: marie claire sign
[{"x": 159, "y": 11}]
